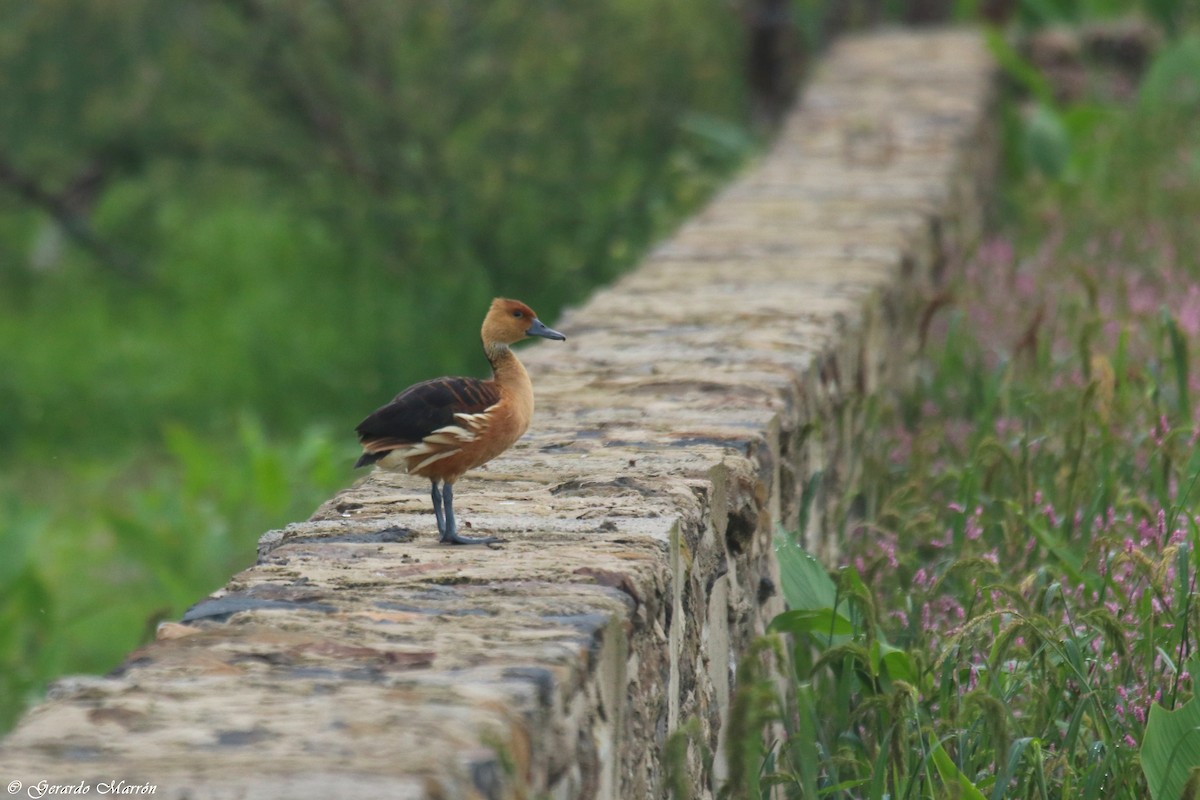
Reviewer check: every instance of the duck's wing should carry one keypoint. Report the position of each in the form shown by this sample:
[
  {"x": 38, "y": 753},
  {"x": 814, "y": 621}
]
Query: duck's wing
[{"x": 423, "y": 410}]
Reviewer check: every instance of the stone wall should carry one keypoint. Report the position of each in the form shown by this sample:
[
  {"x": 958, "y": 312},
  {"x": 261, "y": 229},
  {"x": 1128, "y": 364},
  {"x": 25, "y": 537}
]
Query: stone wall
[{"x": 674, "y": 434}]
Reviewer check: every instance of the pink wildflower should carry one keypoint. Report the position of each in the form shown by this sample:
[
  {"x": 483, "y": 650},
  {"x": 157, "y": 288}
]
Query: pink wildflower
[{"x": 1188, "y": 316}]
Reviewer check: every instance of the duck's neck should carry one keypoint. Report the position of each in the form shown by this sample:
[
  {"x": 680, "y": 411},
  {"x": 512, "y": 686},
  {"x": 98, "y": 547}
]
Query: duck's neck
[
  {"x": 510, "y": 375},
  {"x": 507, "y": 370}
]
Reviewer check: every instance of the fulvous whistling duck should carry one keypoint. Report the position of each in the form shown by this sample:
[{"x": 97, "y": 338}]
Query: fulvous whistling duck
[{"x": 441, "y": 428}]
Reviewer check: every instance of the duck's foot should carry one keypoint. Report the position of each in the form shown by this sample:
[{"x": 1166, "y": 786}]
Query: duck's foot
[
  {"x": 452, "y": 537},
  {"x": 448, "y": 529}
]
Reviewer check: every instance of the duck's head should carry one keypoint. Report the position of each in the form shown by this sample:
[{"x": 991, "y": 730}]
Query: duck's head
[{"x": 509, "y": 321}]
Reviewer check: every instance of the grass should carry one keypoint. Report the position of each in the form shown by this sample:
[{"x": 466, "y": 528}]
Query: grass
[{"x": 1017, "y": 616}]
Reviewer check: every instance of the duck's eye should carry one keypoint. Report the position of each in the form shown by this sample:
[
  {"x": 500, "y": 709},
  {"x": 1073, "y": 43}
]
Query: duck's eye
[{"x": 518, "y": 314}]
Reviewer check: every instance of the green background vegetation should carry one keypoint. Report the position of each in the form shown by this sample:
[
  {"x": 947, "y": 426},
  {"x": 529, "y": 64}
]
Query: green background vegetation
[
  {"x": 1015, "y": 613},
  {"x": 229, "y": 230}
]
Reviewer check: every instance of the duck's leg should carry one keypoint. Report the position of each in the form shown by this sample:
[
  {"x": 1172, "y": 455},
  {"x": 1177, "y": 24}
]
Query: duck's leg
[
  {"x": 450, "y": 534},
  {"x": 436, "y": 494}
]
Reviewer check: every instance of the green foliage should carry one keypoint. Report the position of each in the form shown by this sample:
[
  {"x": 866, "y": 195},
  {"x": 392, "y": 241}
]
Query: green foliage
[
  {"x": 806, "y": 585},
  {"x": 1172, "y": 15},
  {"x": 677, "y": 778},
  {"x": 1094, "y": 155},
  {"x": 230, "y": 229},
  {"x": 1018, "y": 616},
  {"x": 1171, "y": 86},
  {"x": 82, "y": 589},
  {"x": 1171, "y": 752},
  {"x": 752, "y": 709},
  {"x": 328, "y": 194},
  {"x": 27, "y": 604}
]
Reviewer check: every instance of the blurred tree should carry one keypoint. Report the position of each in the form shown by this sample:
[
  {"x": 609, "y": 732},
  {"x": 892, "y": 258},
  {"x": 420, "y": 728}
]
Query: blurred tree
[
  {"x": 434, "y": 113},
  {"x": 383, "y": 163}
]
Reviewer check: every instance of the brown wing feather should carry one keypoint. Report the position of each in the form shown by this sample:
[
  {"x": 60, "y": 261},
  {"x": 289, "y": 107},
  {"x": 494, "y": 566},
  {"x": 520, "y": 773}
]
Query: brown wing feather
[{"x": 420, "y": 410}]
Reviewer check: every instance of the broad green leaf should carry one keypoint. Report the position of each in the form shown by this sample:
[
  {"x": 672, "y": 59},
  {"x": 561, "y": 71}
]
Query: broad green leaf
[
  {"x": 1170, "y": 82},
  {"x": 816, "y": 620},
  {"x": 806, "y": 584},
  {"x": 1047, "y": 144},
  {"x": 951, "y": 775},
  {"x": 892, "y": 660},
  {"x": 1171, "y": 748}
]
